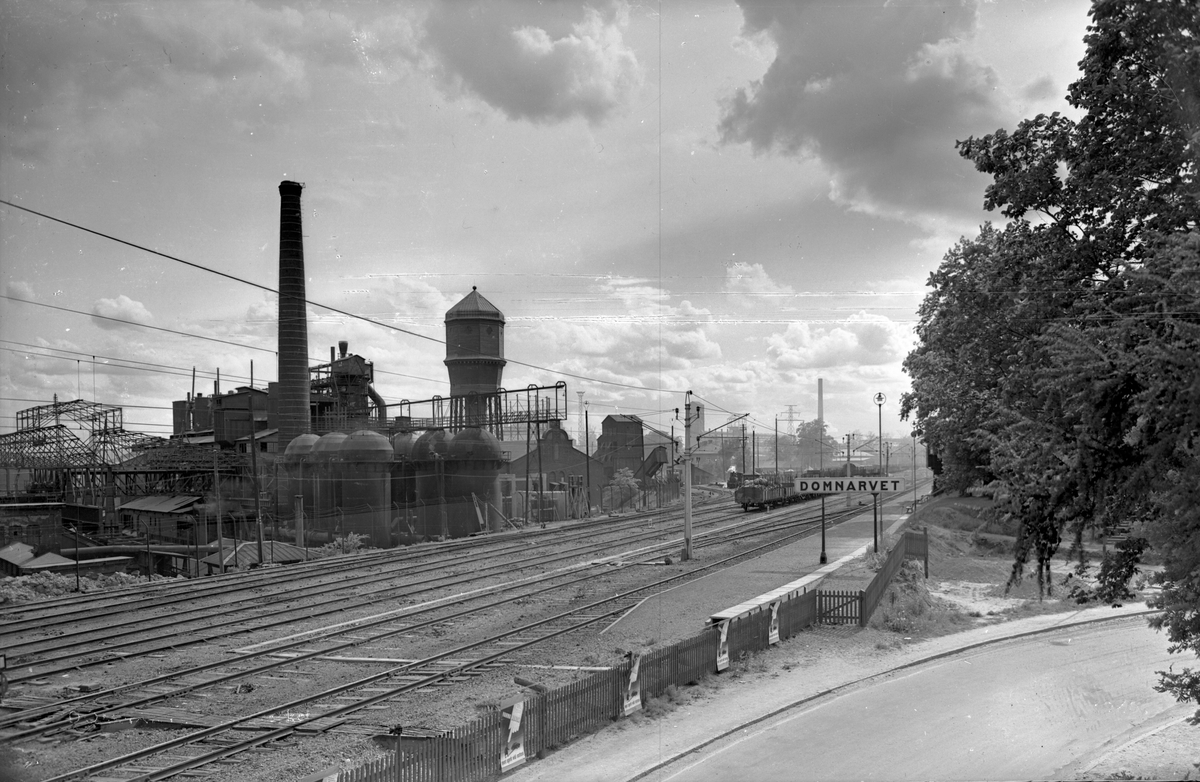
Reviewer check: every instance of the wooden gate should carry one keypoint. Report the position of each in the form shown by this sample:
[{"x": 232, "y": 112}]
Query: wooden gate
[{"x": 839, "y": 607}]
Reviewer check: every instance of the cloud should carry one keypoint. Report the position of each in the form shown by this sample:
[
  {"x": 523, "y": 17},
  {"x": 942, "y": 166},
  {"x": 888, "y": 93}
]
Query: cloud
[
  {"x": 749, "y": 285},
  {"x": 528, "y": 69},
  {"x": 76, "y": 72},
  {"x": 879, "y": 94},
  {"x": 865, "y": 339},
  {"x": 19, "y": 289},
  {"x": 121, "y": 308},
  {"x": 642, "y": 337}
]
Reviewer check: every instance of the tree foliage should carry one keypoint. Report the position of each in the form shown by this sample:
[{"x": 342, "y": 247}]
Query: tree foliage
[{"x": 1060, "y": 354}]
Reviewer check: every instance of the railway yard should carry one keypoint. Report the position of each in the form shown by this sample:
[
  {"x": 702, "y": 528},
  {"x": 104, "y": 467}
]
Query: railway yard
[{"x": 295, "y": 668}]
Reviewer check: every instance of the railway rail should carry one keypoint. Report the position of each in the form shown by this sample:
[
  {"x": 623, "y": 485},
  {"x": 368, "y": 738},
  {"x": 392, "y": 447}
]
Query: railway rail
[{"x": 269, "y": 726}]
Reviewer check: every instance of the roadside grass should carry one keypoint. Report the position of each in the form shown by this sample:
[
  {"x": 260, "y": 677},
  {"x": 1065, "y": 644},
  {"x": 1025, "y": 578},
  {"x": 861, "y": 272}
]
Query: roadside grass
[{"x": 909, "y": 610}]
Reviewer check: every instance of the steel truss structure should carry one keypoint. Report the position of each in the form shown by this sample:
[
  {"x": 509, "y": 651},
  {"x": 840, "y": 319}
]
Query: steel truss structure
[
  {"x": 502, "y": 413},
  {"x": 47, "y": 439}
]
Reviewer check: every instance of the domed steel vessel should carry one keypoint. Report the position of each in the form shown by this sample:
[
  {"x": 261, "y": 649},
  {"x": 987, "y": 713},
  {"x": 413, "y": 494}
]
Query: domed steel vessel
[
  {"x": 404, "y": 486},
  {"x": 296, "y": 463},
  {"x": 326, "y": 476},
  {"x": 473, "y": 466},
  {"x": 429, "y": 458},
  {"x": 367, "y": 486}
]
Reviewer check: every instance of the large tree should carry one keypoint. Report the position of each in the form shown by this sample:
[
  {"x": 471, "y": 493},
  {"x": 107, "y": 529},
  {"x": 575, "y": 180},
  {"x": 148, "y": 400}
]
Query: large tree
[{"x": 1061, "y": 354}]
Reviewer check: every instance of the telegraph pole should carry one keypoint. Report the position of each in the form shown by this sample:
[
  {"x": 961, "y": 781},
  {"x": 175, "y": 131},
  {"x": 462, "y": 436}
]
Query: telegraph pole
[
  {"x": 821, "y": 457},
  {"x": 587, "y": 459},
  {"x": 254, "y": 468},
  {"x": 879, "y": 400},
  {"x": 848, "y": 503},
  {"x": 687, "y": 476}
]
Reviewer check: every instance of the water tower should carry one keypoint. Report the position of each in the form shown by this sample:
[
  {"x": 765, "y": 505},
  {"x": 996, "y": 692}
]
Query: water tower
[{"x": 475, "y": 360}]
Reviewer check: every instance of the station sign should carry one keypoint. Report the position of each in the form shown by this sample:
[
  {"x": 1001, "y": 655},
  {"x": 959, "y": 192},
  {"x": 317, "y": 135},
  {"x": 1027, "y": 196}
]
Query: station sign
[{"x": 846, "y": 485}]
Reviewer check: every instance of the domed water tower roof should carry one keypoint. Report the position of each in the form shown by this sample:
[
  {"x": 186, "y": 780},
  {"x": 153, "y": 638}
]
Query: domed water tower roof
[
  {"x": 475, "y": 444},
  {"x": 474, "y": 307},
  {"x": 366, "y": 445}
]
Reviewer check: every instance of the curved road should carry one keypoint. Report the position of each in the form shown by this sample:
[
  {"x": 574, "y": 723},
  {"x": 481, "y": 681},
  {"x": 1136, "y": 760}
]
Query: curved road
[{"x": 1030, "y": 708}]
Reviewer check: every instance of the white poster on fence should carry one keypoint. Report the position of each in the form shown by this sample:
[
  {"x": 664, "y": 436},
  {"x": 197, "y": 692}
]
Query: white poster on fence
[
  {"x": 513, "y": 752},
  {"x": 773, "y": 630},
  {"x": 723, "y": 645},
  {"x": 633, "y": 693}
]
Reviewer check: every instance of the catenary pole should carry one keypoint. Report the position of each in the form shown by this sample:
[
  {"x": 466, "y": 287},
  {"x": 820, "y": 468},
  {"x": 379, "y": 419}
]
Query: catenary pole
[
  {"x": 254, "y": 469},
  {"x": 687, "y": 476}
]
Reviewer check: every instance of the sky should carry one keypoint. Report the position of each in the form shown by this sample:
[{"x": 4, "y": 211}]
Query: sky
[{"x": 731, "y": 198}]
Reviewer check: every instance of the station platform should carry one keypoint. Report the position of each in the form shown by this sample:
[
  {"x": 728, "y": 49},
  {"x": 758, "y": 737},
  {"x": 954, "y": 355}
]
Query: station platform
[{"x": 686, "y": 609}]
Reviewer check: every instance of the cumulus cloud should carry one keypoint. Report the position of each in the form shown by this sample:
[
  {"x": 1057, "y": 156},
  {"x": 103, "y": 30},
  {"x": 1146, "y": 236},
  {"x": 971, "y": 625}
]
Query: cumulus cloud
[
  {"x": 511, "y": 55},
  {"x": 749, "y": 285},
  {"x": 643, "y": 337},
  {"x": 865, "y": 339},
  {"x": 120, "y": 308},
  {"x": 879, "y": 93},
  {"x": 76, "y": 71}
]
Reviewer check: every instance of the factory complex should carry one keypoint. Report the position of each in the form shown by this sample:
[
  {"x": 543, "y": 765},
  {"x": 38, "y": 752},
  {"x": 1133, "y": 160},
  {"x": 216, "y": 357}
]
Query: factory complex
[{"x": 257, "y": 476}]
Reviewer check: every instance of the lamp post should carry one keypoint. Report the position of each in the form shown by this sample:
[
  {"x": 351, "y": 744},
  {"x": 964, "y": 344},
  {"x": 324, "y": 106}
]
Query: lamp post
[
  {"x": 879, "y": 400},
  {"x": 914, "y": 438}
]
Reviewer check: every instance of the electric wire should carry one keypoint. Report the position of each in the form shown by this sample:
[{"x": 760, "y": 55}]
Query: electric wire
[{"x": 275, "y": 291}]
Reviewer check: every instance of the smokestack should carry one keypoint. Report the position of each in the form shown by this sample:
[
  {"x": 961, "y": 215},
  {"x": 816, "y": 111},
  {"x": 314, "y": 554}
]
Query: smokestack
[{"x": 293, "y": 324}]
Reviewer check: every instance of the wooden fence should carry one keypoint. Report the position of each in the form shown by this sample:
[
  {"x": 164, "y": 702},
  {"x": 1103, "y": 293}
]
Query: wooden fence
[
  {"x": 839, "y": 607},
  {"x": 473, "y": 752}
]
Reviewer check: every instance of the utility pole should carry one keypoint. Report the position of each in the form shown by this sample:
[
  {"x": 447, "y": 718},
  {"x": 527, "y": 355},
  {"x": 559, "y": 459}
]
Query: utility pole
[
  {"x": 687, "y": 476},
  {"x": 848, "y": 503},
  {"x": 821, "y": 457},
  {"x": 254, "y": 468},
  {"x": 217, "y": 476},
  {"x": 879, "y": 400},
  {"x": 587, "y": 459},
  {"x": 914, "y": 436}
]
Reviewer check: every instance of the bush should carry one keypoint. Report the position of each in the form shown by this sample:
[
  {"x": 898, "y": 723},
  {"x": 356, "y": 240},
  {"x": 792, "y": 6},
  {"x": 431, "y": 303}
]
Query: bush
[
  {"x": 1117, "y": 569},
  {"x": 350, "y": 543}
]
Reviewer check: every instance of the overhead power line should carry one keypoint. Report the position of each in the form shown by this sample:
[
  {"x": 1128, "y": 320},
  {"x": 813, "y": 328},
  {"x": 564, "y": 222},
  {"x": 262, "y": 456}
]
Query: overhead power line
[
  {"x": 135, "y": 323},
  {"x": 275, "y": 291}
]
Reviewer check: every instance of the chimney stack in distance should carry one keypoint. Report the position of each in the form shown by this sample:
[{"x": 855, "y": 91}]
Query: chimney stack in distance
[{"x": 293, "y": 324}]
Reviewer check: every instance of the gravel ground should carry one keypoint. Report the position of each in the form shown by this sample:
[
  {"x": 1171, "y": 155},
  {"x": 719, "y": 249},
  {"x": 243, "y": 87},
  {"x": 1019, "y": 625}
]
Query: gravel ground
[
  {"x": 353, "y": 742},
  {"x": 959, "y": 575}
]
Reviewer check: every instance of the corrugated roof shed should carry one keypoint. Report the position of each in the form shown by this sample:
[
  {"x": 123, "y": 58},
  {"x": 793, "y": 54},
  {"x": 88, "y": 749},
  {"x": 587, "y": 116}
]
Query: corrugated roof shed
[
  {"x": 17, "y": 553},
  {"x": 46, "y": 561},
  {"x": 244, "y": 553}
]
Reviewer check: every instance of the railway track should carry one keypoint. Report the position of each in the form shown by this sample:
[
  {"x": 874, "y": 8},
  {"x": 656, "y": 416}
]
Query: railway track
[
  {"x": 267, "y": 727},
  {"x": 243, "y": 615}
]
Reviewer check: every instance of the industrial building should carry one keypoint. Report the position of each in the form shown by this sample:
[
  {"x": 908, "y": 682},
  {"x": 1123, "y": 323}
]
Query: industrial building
[{"x": 315, "y": 455}]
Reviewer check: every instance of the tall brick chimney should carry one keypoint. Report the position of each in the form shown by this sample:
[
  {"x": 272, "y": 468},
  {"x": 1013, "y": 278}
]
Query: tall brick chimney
[{"x": 293, "y": 324}]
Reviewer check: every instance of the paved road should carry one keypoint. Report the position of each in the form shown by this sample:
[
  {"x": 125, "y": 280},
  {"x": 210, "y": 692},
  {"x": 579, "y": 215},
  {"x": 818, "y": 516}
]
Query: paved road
[{"x": 1029, "y": 709}]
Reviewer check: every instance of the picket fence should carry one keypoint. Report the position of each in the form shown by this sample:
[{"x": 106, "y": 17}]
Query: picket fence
[{"x": 474, "y": 752}]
